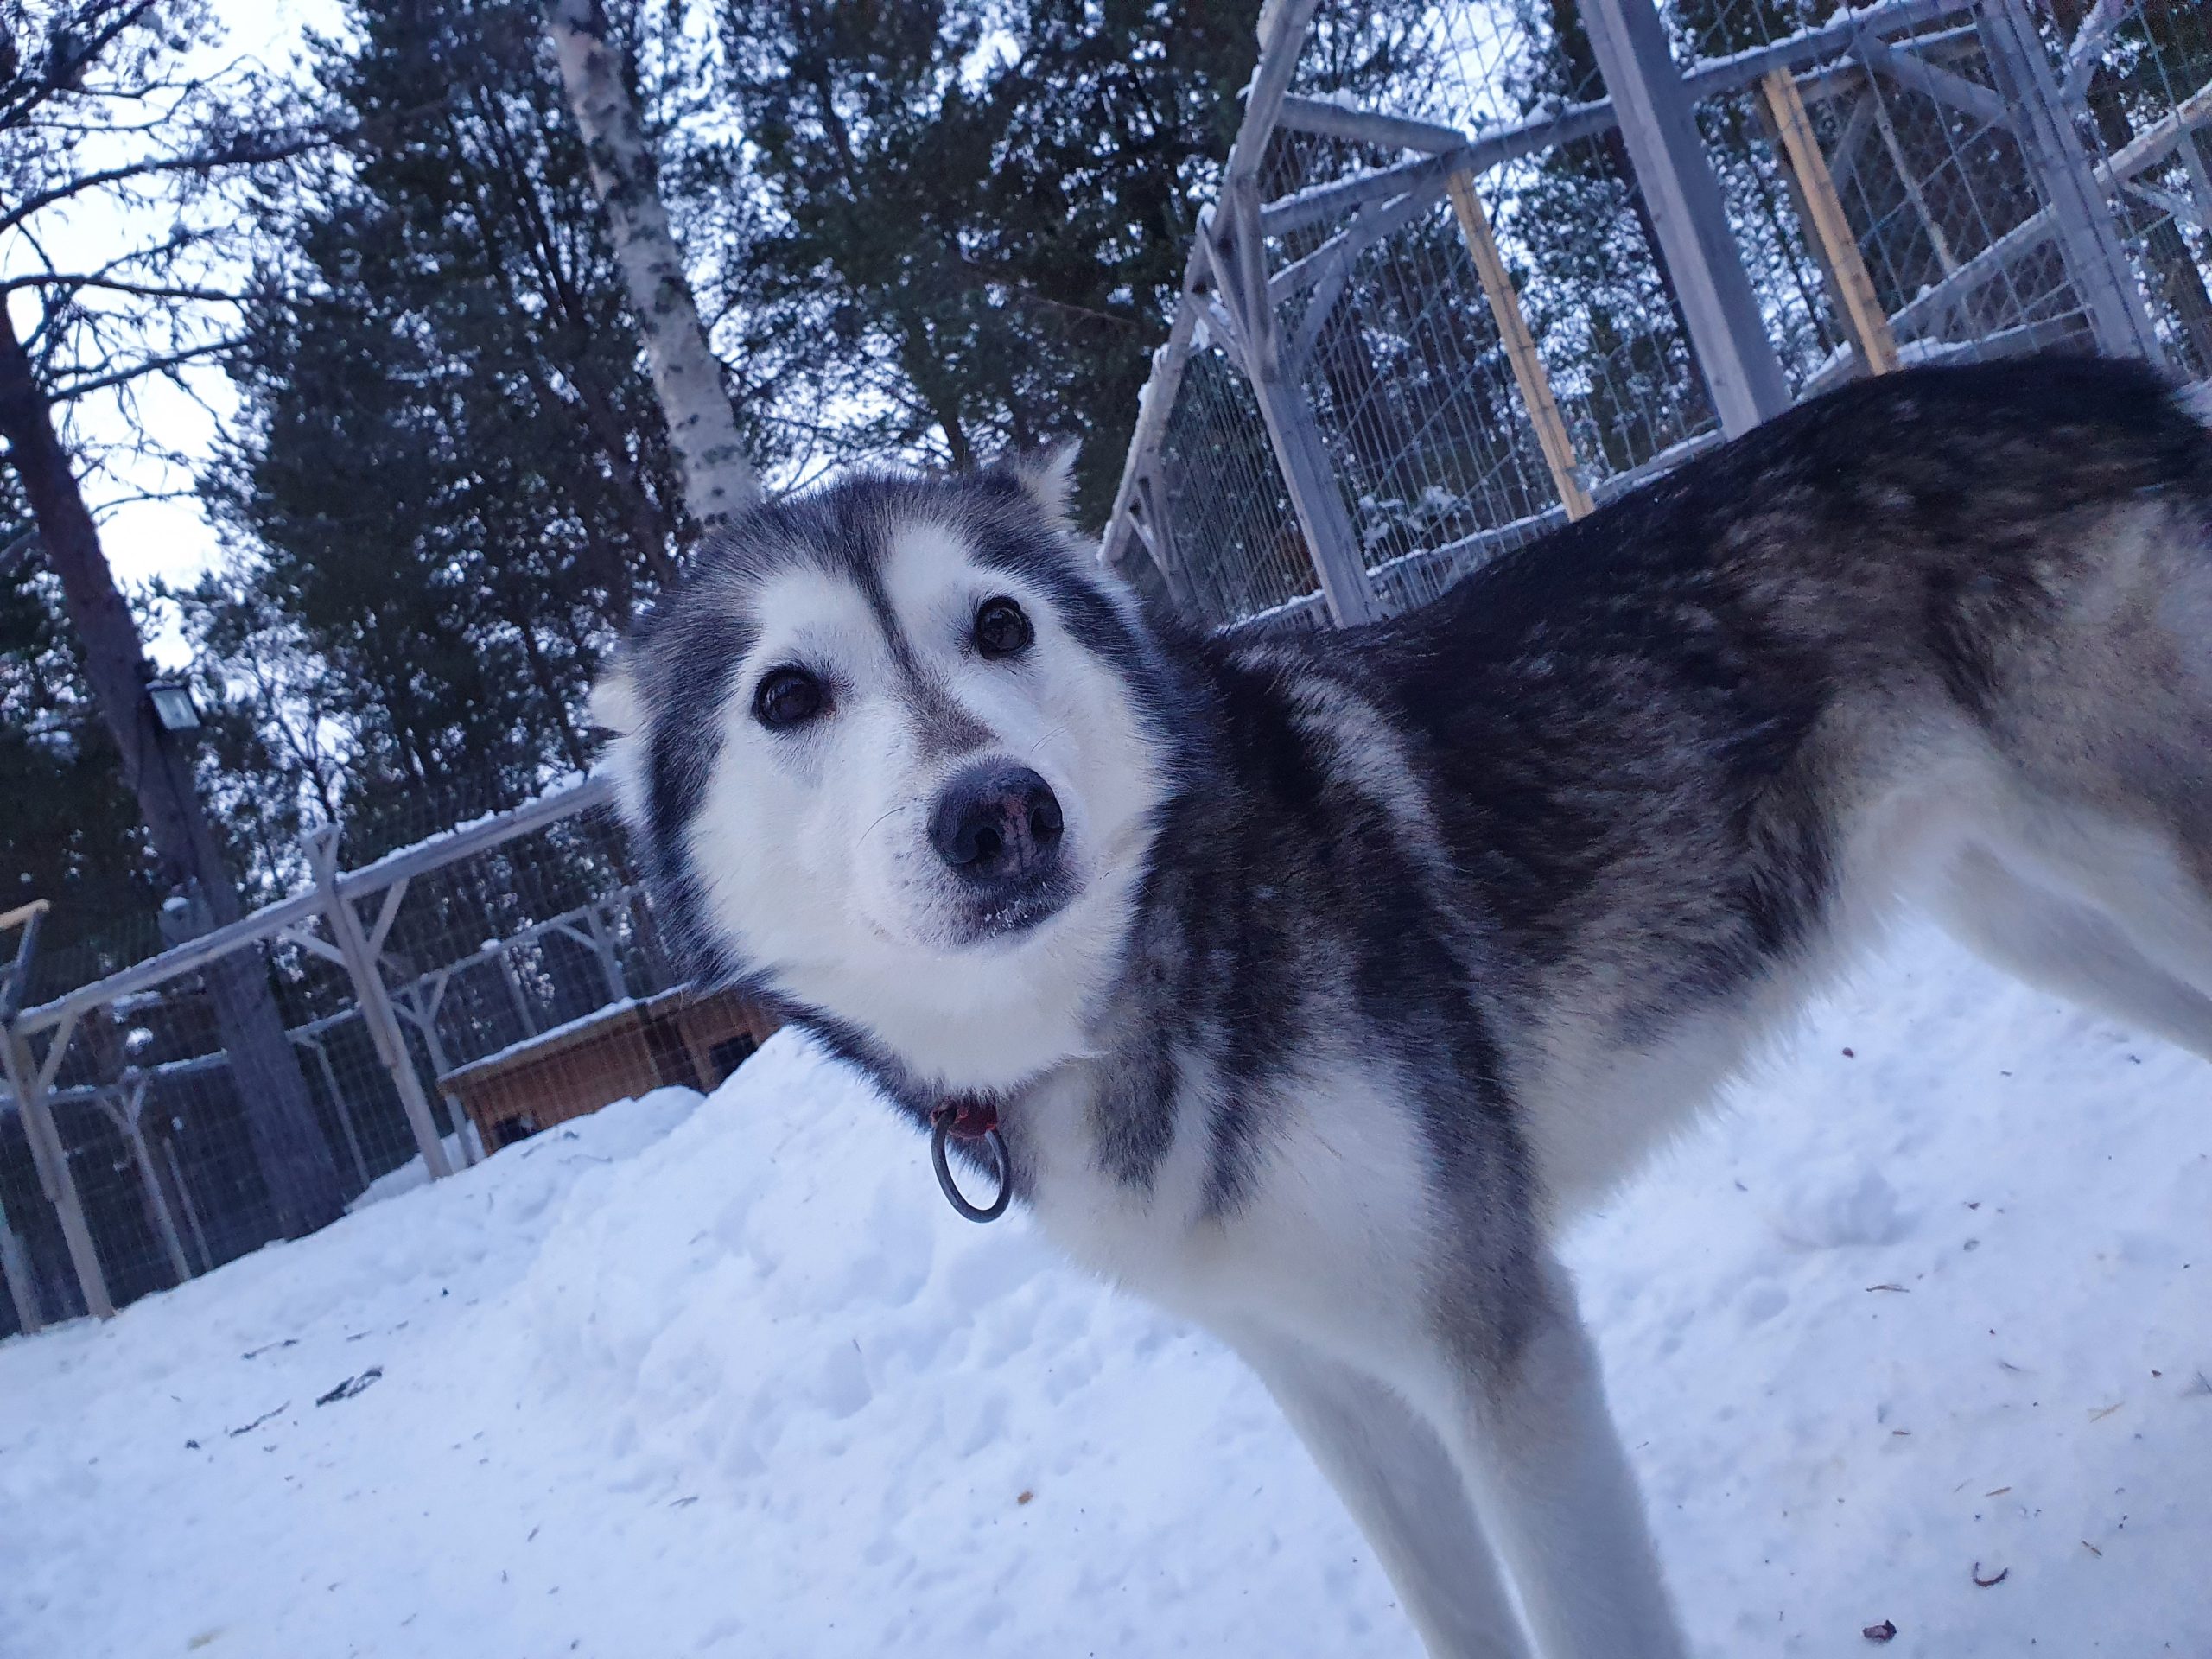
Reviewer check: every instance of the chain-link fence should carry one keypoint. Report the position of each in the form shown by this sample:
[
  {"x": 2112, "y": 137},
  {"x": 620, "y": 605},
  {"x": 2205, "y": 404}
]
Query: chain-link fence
[
  {"x": 1476, "y": 267},
  {"x": 440, "y": 1002}
]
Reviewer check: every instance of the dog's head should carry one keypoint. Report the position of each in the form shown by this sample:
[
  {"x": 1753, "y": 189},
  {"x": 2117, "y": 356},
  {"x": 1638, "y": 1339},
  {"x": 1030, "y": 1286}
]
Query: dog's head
[{"x": 893, "y": 753}]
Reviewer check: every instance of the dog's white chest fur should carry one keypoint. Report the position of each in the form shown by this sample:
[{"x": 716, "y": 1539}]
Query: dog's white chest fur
[{"x": 1338, "y": 1200}]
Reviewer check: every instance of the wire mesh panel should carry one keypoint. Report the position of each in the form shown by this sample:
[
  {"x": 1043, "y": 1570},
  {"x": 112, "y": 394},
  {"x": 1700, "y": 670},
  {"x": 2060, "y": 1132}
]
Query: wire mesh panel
[
  {"x": 41, "y": 1277},
  {"x": 456, "y": 996},
  {"x": 1235, "y": 537},
  {"x": 2145, "y": 84},
  {"x": 1577, "y": 238},
  {"x": 1905, "y": 181},
  {"x": 1410, "y": 385},
  {"x": 155, "y": 1129},
  {"x": 1985, "y": 228},
  {"x": 1398, "y": 342}
]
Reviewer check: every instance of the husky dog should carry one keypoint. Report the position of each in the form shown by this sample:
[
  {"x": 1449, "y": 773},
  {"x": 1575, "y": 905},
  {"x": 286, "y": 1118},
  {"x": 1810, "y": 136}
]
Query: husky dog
[{"x": 1315, "y": 984}]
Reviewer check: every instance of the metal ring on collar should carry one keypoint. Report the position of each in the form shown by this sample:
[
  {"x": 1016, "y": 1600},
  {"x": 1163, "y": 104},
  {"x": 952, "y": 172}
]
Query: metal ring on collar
[{"x": 939, "y": 1134}]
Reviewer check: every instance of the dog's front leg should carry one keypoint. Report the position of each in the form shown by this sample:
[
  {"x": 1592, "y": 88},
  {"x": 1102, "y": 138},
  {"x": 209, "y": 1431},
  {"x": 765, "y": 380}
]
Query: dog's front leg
[
  {"x": 1404, "y": 1489},
  {"x": 1523, "y": 1408}
]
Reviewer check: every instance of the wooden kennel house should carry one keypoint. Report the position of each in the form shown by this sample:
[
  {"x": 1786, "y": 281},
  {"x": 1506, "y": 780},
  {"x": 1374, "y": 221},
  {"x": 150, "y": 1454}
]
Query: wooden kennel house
[{"x": 684, "y": 1037}]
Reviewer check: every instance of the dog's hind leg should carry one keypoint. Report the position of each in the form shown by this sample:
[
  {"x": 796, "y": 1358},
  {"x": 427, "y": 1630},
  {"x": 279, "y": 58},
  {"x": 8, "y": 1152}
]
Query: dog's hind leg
[
  {"x": 1405, "y": 1492},
  {"x": 2068, "y": 945},
  {"x": 1530, "y": 1425}
]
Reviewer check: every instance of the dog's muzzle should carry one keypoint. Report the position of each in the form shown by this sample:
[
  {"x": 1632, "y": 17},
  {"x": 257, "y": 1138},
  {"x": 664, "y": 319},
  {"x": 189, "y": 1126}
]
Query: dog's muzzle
[
  {"x": 998, "y": 830},
  {"x": 998, "y": 826}
]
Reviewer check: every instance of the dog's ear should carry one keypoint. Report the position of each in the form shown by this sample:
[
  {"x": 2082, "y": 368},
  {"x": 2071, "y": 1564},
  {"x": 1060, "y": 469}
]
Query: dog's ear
[
  {"x": 617, "y": 708},
  {"x": 1047, "y": 477}
]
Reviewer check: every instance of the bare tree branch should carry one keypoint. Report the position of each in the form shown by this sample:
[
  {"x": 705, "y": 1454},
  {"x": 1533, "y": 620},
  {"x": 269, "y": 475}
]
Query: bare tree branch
[
  {"x": 74, "y": 280},
  {"x": 63, "y": 70},
  {"x": 206, "y": 160}
]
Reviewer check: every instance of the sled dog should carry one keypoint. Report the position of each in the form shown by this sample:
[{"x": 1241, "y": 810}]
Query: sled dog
[{"x": 1313, "y": 982}]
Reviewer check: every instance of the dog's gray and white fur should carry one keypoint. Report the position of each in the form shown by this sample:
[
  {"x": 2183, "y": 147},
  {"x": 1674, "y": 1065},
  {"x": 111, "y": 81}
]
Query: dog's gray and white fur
[{"x": 1317, "y": 982}]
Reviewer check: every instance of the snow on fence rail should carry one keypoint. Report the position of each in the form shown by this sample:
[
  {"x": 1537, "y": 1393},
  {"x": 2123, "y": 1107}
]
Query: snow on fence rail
[
  {"x": 445, "y": 998},
  {"x": 1474, "y": 269}
]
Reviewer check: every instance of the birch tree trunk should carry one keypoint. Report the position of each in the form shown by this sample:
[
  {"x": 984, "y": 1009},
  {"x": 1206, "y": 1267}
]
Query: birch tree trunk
[{"x": 718, "y": 481}]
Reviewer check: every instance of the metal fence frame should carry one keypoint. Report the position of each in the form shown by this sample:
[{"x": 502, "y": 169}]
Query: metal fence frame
[
  {"x": 344, "y": 919},
  {"x": 1240, "y": 280}
]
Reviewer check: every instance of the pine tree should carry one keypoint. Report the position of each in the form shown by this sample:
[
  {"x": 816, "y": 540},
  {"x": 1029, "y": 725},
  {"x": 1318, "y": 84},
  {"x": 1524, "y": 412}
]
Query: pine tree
[
  {"x": 978, "y": 218},
  {"x": 453, "y": 483},
  {"x": 70, "y": 834}
]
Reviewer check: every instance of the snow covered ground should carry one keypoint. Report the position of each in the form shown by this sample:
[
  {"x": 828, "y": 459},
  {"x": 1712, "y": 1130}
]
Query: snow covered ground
[{"x": 730, "y": 1378}]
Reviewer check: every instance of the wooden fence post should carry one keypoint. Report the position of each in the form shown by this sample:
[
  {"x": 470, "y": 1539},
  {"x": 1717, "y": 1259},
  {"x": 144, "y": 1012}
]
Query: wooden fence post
[
  {"x": 128, "y": 1117},
  {"x": 1528, "y": 373},
  {"x": 23, "y": 1285},
  {"x": 1832, "y": 234}
]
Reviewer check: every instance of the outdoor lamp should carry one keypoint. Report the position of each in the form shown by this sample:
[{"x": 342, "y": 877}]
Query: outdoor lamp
[{"x": 173, "y": 706}]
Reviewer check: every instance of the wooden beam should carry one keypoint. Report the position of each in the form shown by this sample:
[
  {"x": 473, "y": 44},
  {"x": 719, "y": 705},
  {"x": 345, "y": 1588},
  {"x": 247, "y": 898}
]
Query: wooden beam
[
  {"x": 23, "y": 1284},
  {"x": 1155, "y": 404},
  {"x": 127, "y": 1116},
  {"x": 1714, "y": 76},
  {"x": 1319, "y": 203},
  {"x": 1843, "y": 165},
  {"x": 593, "y": 789},
  {"x": 2087, "y": 48},
  {"x": 1369, "y": 226},
  {"x": 1329, "y": 120},
  {"x": 386, "y": 913},
  {"x": 1528, "y": 373},
  {"x": 1832, "y": 232},
  {"x": 178, "y": 959},
  {"x": 1509, "y": 141},
  {"x": 1282, "y": 33},
  {"x": 302, "y": 934}
]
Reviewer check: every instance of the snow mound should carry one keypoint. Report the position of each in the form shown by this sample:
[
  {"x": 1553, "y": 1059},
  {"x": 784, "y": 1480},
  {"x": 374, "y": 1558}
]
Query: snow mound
[{"x": 728, "y": 1377}]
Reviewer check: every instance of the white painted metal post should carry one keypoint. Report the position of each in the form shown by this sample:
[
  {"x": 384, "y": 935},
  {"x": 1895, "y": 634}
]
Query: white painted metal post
[
  {"x": 23, "y": 1288},
  {"x": 2096, "y": 258},
  {"x": 314, "y": 1041},
  {"x": 15, "y": 1259},
  {"x": 55, "y": 1178},
  {"x": 128, "y": 1117},
  {"x": 375, "y": 1002},
  {"x": 1659, "y": 125}
]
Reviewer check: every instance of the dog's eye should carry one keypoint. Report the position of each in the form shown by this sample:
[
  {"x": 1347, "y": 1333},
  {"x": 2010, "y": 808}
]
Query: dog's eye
[
  {"x": 1002, "y": 629},
  {"x": 787, "y": 697}
]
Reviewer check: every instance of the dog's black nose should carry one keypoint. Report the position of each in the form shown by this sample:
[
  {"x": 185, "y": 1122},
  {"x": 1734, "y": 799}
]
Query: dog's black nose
[{"x": 993, "y": 823}]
